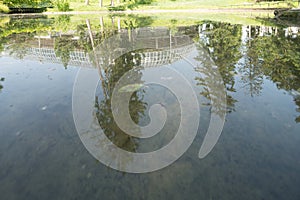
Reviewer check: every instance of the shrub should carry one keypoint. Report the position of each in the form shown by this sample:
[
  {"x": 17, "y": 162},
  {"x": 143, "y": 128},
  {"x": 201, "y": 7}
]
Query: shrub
[
  {"x": 3, "y": 8},
  {"x": 117, "y": 8},
  {"x": 21, "y": 3},
  {"x": 62, "y": 5},
  {"x": 144, "y": 2}
]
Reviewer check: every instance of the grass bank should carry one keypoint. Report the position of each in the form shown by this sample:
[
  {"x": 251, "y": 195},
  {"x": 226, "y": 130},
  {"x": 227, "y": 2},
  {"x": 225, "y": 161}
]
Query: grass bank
[{"x": 79, "y": 5}]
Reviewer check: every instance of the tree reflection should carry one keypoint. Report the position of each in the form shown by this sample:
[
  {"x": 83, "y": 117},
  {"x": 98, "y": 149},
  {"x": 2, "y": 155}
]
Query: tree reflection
[
  {"x": 252, "y": 76},
  {"x": 209, "y": 79},
  {"x": 250, "y": 66},
  {"x": 268, "y": 52},
  {"x": 63, "y": 46},
  {"x": 19, "y": 45},
  {"x": 134, "y": 21},
  {"x": 15, "y": 32},
  {"x": 62, "y": 22},
  {"x": 1, "y": 86},
  {"x": 297, "y": 102},
  {"x": 279, "y": 60},
  {"x": 113, "y": 70},
  {"x": 280, "y": 57},
  {"x": 222, "y": 41}
]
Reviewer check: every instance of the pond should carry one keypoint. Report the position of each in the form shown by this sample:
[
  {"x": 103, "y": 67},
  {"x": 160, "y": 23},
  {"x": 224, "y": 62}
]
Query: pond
[{"x": 230, "y": 82}]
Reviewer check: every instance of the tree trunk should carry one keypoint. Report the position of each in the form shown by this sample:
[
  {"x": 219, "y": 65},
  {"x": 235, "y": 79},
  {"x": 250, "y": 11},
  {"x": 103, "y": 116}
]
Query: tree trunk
[
  {"x": 101, "y": 25},
  {"x": 87, "y": 2},
  {"x": 112, "y": 3},
  {"x": 119, "y": 24},
  {"x": 100, "y": 3},
  {"x": 90, "y": 33}
]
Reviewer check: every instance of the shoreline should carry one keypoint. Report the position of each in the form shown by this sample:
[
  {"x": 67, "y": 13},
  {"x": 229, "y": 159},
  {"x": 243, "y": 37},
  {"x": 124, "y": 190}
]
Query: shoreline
[{"x": 151, "y": 11}]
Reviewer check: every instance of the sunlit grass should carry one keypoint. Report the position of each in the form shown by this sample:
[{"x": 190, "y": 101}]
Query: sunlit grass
[
  {"x": 162, "y": 19},
  {"x": 79, "y": 5}
]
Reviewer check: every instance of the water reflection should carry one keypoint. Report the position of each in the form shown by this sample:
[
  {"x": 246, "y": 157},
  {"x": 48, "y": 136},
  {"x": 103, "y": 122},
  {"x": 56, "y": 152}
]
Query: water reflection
[
  {"x": 1, "y": 80},
  {"x": 137, "y": 107},
  {"x": 223, "y": 42},
  {"x": 272, "y": 53},
  {"x": 249, "y": 53},
  {"x": 257, "y": 155}
]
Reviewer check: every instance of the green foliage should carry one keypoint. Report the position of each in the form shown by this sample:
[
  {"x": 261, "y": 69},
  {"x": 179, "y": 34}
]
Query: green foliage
[
  {"x": 144, "y": 2},
  {"x": 132, "y": 21},
  {"x": 17, "y": 26},
  {"x": 129, "y": 4},
  {"x": 22, "y": 3},
  {"x": 62, "y": 22},
  {"x": 117, "y": 8},
  {"x": 17, "y": 32},
  {"x": 223, "y": 46},
  {"x": 3, "y": 8},
  {"x": 280, "y": 57},
  {"x": 39, "y": 5},
  {"x": 62, "y": 5},
  {"x": 63, "y": 47},
  {"x": 137, "y": 106}
]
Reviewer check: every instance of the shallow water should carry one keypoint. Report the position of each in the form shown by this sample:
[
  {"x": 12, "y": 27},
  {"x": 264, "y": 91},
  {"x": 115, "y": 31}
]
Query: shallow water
[{"x": 42, "y": 156}]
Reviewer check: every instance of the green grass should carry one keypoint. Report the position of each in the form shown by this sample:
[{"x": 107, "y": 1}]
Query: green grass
[
  {"x": 162, "y": 19},
  {"x": 192, "y": 4},
  {"x": 166, "y": 19},
  {"x": 79, "y": 5},
  {"x": 182, "y": 4}
]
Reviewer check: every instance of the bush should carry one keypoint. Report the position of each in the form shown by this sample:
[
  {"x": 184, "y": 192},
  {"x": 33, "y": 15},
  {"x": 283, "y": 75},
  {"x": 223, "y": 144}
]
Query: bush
[
  {"x": 117, "y": 8},
  {"x": 144, "y": 2},
  {"x": 27, "y": 3},
  {"x": 62, "y": 5},
  {"x": 21, "y": 3},
  {"x": 3, "y": 8}
]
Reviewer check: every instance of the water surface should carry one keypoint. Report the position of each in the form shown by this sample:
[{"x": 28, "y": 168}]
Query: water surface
[{"x": 42, "y": 157}]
